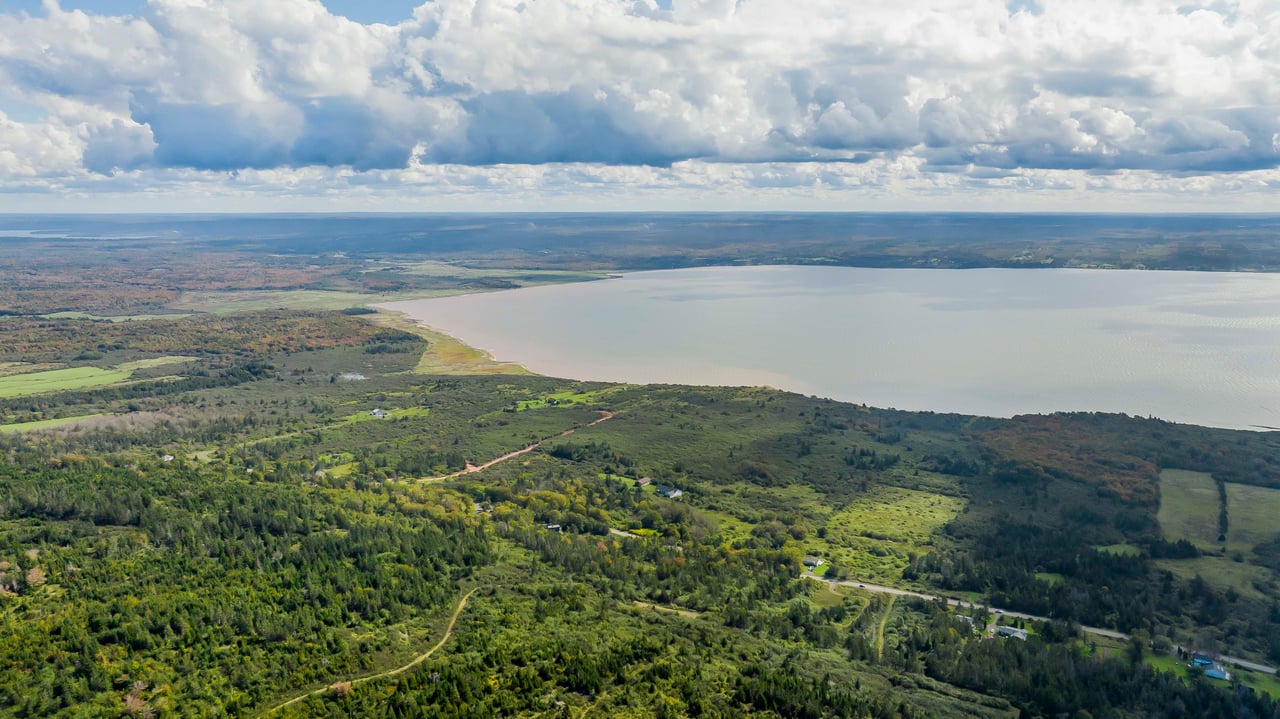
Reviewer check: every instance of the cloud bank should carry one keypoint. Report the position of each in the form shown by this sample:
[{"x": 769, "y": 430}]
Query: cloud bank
[{"x": 576, "y": 95}]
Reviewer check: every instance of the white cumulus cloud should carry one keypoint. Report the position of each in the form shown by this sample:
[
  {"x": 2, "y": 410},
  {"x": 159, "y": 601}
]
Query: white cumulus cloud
[{"x": 824, "y": 95}]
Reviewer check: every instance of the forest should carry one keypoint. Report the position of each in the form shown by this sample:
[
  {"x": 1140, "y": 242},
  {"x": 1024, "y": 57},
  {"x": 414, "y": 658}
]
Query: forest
[
  {"x": 145, "y": 266},
  {"x": 332, "y": 512}
]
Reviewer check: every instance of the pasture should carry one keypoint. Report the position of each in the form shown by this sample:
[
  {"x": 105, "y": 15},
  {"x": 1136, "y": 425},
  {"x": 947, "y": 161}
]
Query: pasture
[
  {"x": 1189, "y": 508},
  {"x": 59, "y": 380},
  {"x": 1222, "y": 573},
  {"x": 44, "y": 423},
  {"x": 1253, "y": 516}
]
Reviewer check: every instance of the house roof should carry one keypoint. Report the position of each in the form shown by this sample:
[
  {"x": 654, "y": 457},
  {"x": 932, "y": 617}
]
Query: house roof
[{"x": 1007, "y": 631}]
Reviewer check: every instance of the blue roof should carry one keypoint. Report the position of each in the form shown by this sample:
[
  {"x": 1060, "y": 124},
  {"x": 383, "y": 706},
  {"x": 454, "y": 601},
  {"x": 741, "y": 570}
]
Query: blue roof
[{"x": 1216, "y": 673}]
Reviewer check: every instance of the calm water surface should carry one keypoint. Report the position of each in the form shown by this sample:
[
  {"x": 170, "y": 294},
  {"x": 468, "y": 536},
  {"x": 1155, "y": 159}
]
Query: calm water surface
[{"x": 1190, "y": 347}]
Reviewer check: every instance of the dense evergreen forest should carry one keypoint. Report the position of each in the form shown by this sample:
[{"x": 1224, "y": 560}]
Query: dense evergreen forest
[{"x": 274, "y": 513}]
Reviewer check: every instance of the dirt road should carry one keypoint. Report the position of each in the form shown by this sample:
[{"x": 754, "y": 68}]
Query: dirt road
[
  {"x": 604, "y": 417},
  {"x": 448, "y": 632},
  {"x": 1111, "y": 633}
]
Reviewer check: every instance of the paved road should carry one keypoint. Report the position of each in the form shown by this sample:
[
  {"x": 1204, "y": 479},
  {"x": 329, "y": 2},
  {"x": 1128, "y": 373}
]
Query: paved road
[
  {"x": 958, "y": 603},
  {"x": 880, "y": 589},
  {"x": 1246, "y": 664}
]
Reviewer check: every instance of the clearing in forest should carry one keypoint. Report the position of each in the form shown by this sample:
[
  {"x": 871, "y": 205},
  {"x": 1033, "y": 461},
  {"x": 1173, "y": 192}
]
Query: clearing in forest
[
  {"x": 45, "y": 423},
  {"x": 59, "y": 380},
  {"x": 1253, "y": 515},
  {"x": 1189, "y": 508},
  {"x": 874, "y": 535}
]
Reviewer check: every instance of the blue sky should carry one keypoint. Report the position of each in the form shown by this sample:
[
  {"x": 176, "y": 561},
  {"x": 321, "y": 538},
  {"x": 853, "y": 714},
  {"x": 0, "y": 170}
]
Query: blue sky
[
  {"x": 364, "y": 11},
  {"x": 632, "y": 104}
]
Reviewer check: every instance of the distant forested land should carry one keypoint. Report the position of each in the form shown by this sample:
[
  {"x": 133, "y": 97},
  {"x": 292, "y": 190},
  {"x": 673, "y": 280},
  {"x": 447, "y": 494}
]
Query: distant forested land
[{"x": 130, "y": 264}]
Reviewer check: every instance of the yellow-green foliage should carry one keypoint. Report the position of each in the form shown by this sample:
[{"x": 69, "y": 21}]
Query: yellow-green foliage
[
  {"x": 567, "y": 398},
  {"x": 873, "y": 536},
  {"x": 895, "y": 514}
]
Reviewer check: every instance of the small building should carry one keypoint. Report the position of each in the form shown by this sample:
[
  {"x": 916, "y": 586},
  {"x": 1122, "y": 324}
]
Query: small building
[
  {"x": 167, "y": 458},
  {"x": 1217, "y": 671},
  {"x": 1202, "y": 660},
  {"x": 1209, "y": 664},
  {"x": 380, "y": 413},
  {"x": 553, "y": 528},
  {"x": 812, "y": 561},
  {"x": 669, "y": 492},
  {"x": 644, "y": 481},
  {"x": 1007, "y": 632}
]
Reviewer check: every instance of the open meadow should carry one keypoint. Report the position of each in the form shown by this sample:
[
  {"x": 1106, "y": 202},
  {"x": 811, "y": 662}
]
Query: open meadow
[
  {"x": 60, "y": 380},
  {"x": 1189, "y": 508}
]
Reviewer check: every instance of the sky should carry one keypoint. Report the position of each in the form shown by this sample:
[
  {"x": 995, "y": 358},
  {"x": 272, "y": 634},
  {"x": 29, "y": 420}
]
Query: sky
[{"x": 491, "y": 105}]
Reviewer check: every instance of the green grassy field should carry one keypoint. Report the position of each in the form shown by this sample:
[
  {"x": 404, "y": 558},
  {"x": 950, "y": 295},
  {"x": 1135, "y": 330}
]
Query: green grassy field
[
  {"x": 60, "y": 380},
  {"x": 1254, "y": 516},
  {"x": 1223, "y": 573},
  {"x": 44, "y": 424},
  {"x": 390, "y": 415},
  {"x": 1168, "y": 663},
  {"x": 1189, "y": 508},
  {"x": 567, "y": 398}
]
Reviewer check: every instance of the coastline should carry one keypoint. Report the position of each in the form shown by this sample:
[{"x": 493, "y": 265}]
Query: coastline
[{"x": 689, "y": 351}]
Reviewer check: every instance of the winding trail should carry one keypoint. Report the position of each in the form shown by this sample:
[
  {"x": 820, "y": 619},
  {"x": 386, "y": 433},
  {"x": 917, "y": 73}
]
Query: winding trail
[
  {"x": 605, "y": 416},
  {"x": 888, "y": 611},
  {"x": 448, "y": 632}
]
